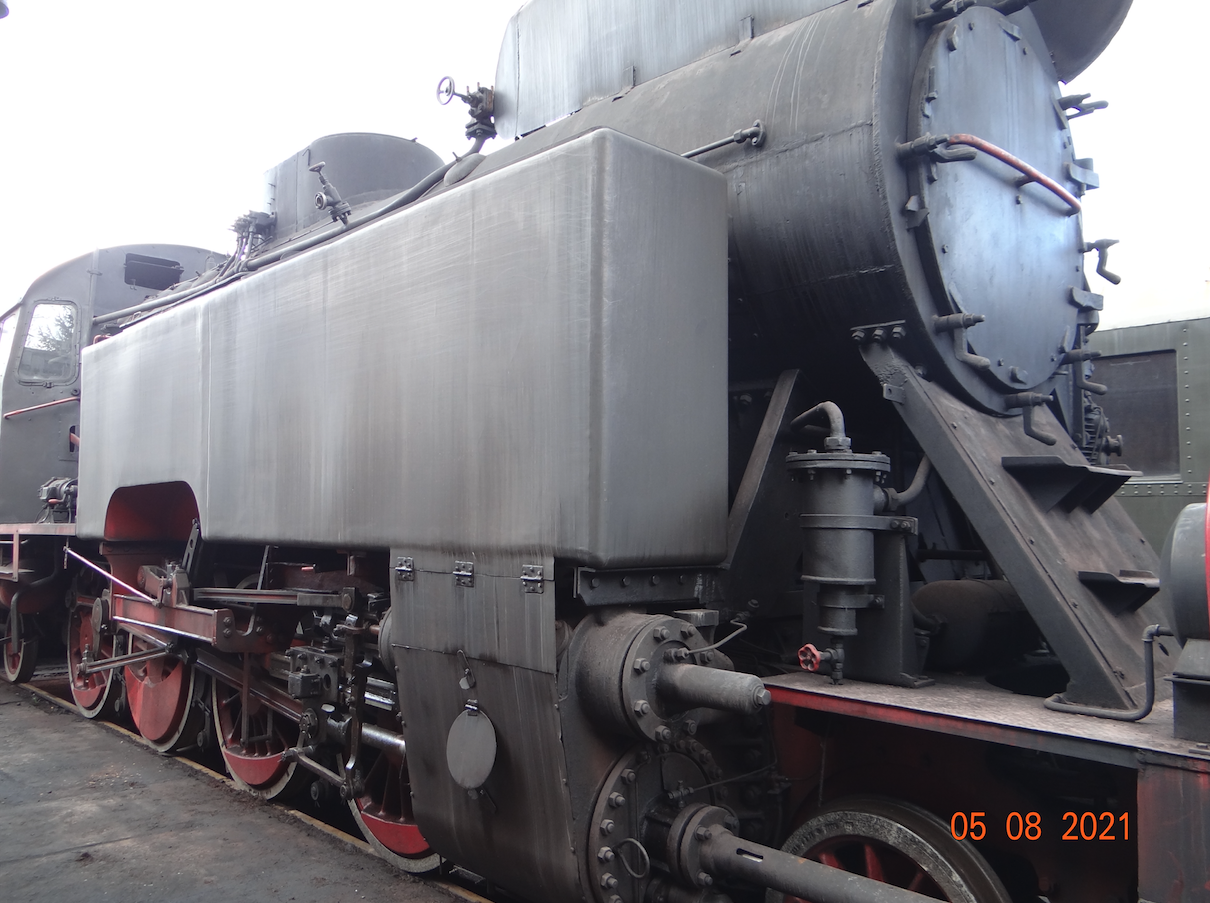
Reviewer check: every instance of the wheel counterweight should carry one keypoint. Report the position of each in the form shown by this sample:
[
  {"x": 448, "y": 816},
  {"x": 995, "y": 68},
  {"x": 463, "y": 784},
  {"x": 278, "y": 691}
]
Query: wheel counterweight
[{"x": 163, "y": 694}]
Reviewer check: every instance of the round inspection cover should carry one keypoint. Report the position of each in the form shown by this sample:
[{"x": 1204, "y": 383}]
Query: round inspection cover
[
  {"x": 1008, "y": 251},
  {"x": 470, "y": 750}
]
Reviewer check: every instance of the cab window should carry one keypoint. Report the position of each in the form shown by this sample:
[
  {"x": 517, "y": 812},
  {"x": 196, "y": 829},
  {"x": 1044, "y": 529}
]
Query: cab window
[{"x": 49, "y": 355}]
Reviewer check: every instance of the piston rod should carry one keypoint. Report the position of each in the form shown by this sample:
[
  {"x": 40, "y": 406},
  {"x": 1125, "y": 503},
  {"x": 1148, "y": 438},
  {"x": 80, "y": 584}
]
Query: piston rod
[
  {"x": 88, "y": 666},
  {"x": 691, "y": 686},
  {"x": 384, "y": 740},
  {"x": 722, "y": 853}
]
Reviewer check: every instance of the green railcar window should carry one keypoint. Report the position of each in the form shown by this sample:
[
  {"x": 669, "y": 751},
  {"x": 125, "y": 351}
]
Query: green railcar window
[
  {"x": 49, "y": 355},
  {"x": 1142, "y": 408}
]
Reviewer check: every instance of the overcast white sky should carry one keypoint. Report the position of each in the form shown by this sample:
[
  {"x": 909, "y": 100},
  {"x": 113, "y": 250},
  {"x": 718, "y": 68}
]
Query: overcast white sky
[{"x": 153, "y": 121}]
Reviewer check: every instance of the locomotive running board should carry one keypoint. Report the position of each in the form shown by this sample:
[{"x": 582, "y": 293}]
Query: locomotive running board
[{"x": 1043, "y": 549}]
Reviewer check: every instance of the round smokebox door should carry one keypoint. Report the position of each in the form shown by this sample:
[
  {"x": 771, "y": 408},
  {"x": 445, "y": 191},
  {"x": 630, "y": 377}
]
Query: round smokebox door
[{"x": 995, "y": 243}]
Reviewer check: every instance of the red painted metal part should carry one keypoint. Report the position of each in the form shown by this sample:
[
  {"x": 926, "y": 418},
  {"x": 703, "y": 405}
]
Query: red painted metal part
[
  {"x": 257, "y": 762},
  {"x": 1034, "y": 175},
  {"x": 1174, "y": 834},
  {"x": 207, "y": 625},
  {"x": 1171, "y": 826},
  {"x": 809, "y": 658},
  {"x": 384, "y": 807},
  {"x": 396, "y": 835},
  {"x": 88, "y": 690},
  {"x": 254, "y": 770},
  {"x": 272, "y": 695},
  {"x": 931, "y": 721},
  {"x": 158, "y": 693},
  {"x": 154, "y": 513}
]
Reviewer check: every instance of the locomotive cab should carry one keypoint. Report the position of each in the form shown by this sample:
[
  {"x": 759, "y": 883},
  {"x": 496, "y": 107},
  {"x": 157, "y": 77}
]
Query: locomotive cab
[{"x": 40, "y": 342}]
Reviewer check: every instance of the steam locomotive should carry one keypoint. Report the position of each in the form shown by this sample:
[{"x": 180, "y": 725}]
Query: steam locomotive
[{"x": 703, "y": 497}]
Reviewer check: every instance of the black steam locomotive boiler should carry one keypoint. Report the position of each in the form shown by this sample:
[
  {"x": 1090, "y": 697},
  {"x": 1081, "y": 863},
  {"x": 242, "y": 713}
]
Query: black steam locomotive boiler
[{"x": 702, "y": 497}]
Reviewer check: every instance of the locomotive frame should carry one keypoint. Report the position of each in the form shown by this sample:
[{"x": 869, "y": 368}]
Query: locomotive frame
[{"x": 506, "y": 571}]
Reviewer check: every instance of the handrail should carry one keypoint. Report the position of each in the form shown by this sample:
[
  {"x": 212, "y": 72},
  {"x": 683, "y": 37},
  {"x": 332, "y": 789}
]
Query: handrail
[
  {"x": 1020, "y": 165},
  {"x": 38, "y": 407}
]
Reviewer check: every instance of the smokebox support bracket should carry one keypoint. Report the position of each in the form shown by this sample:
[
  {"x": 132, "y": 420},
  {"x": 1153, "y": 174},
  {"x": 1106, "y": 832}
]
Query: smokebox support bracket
[{"x": 1046, "y": 552}]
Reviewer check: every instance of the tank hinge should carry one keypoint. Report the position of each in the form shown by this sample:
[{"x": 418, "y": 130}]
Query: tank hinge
[
  {"x": 464, "y": 573},
  {"x": 405, "y": 569},
  {"x": 532, "y": 580}
]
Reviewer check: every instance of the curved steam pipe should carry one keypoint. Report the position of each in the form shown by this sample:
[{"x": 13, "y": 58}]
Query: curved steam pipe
[
  {"x": 831, "y": 410},
  {"x": 896, "y": 499},
  {"x": 1056, "y": 703}
]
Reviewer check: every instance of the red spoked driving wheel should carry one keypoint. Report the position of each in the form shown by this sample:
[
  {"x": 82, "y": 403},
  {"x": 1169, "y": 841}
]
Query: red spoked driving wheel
[
  {"x": 95, "y": 693},
  {"x": 896, "y": 843},
  {"x": 384, "y": 813},
  {"x": 21, "y": 646},
  {"x": 252, "y": 748}
]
